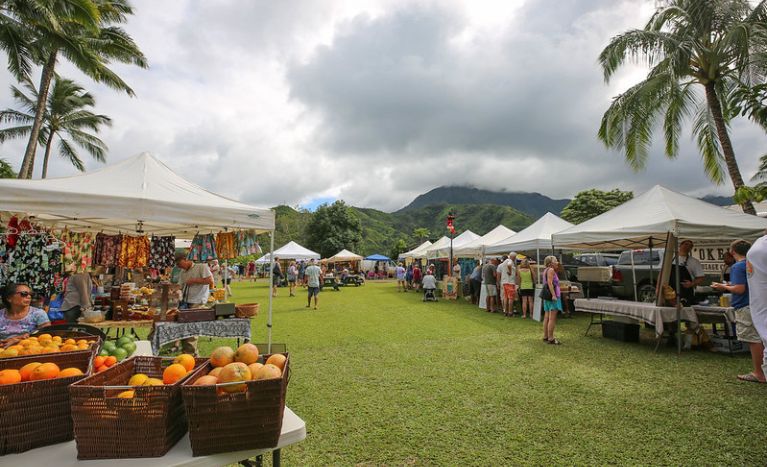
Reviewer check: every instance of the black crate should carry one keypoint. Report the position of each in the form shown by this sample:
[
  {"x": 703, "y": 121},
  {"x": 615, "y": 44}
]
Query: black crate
[{"x": 625, "y": 332}]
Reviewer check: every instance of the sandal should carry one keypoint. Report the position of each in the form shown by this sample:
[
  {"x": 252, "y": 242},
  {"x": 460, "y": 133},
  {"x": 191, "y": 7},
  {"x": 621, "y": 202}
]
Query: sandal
[
  {"x": 554, "y": 341},
  {"x": 546, "y": 339},
  {"x": 751, "y": 378}
]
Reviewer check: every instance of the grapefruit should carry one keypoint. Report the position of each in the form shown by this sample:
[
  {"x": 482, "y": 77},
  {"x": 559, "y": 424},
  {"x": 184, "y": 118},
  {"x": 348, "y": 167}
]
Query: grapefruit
[
  {"x": 234, "y": 372},
  {"x": 9, "y": 377},
  {"x": 206, "y": 380},
  {"x": 26, "y": 370},
  {"x": 45, "y": 371},
  {"x": 247, "y": 354},
  {"x": 69, "y": 372},
  {"x": 221, "y": 357},
  {"x": 173, "y": 373},
  {"x": 278, "y": 360}
]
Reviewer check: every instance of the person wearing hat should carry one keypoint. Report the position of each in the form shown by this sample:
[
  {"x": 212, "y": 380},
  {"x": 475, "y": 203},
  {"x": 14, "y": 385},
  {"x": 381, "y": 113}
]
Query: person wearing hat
[
  {"x": 507, "y": 273},
  {"x": 313, "y": 280},
  {"x": 196, "y": 281},
  {"x": 691, "y": 273}
]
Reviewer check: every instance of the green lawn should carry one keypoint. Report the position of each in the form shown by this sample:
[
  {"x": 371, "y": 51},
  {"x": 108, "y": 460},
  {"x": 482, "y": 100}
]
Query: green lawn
[{"x": 382, "y": 378}]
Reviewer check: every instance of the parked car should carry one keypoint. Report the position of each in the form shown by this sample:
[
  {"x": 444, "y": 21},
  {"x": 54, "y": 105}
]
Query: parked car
[
  {"x": 592, "y": 289},
  {"x": 646, "y": 268},
  {"x": 598, "y": 259}
]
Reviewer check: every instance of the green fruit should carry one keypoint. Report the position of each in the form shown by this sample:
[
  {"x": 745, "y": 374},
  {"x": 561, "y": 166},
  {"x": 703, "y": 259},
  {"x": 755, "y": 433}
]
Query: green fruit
[
  {"x": 104, "y": 353},
  {"x": 110, "y": 346},
  {"x": 123, "y": 340},
  {"x": 120, "y": 354},
  {"x": 130, "y": 347}
]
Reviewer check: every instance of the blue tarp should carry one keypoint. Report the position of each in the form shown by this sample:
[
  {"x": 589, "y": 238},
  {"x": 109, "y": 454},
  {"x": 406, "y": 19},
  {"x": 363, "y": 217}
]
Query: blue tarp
[{"x": 378, "y": 257}]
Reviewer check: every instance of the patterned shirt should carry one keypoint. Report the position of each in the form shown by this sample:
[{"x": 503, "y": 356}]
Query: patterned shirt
[{"x": 26, "y": 325}]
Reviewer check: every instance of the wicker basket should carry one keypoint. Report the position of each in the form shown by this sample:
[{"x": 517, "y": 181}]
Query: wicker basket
[
  {"x": 146, "y": 426},
  {"x": 235, "y": 422},
  {"x": 195, "y": 315},
  {"x": 37, "y": 413},
  {"x": 246, "y": 310}
]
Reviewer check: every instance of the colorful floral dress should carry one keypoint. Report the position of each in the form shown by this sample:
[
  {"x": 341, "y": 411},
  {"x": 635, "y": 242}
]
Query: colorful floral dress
[
  {"x": 203, "y": 248},
  {"x": 162, "y": 251},
  {"x": 225, "y": 245},
  {"x": 134, "y": 252},
  {"x": 107, "y": 250}
]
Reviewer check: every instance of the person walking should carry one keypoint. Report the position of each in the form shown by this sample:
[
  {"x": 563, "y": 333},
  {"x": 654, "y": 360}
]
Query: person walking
[
  {"x": 292, "y": 278},
  {"x": 475, "y": 282},
  {"x": 417, "y": 276},
  {"x": 756, "y": 271},
  {"x": 508, "y": 273},
  {"x": 409, "y": 277},
  {"x": 313, "y": 275},
  {"x": 276, "y": 276},
  {"x": 400, "y": 272},
  {"x": 552, "y": 305},
  {"x": 526, "y": 281}
]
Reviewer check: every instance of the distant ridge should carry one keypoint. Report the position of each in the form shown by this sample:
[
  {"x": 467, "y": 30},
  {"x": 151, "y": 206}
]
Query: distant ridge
[
  {"x": 533, "y": 204},
  {"x": 718, "y": 200}
]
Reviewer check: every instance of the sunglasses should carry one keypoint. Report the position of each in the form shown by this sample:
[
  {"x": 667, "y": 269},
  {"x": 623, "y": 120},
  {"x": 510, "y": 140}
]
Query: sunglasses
[{"x": 24, "y": 294}]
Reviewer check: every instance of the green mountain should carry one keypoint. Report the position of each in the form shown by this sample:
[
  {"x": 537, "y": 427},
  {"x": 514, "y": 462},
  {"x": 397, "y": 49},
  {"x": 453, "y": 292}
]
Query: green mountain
[{"x": 382, "y": 230}]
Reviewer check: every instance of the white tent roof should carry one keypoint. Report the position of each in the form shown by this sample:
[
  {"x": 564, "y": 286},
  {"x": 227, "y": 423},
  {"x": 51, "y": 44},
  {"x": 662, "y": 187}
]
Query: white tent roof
[
  {"x": 442, "y": 250},
  {"x": 537, "y": 236},
  {"x": 344, "y": 255},
  {"x": 475, "y": 247},
  {"x": 290, "y": 250},
  {"x": 654, "y": 214},
  {"x": 441, "y": 243},
  {"x": 137, "y": 192},
  {"x": 415, "y": 251}
]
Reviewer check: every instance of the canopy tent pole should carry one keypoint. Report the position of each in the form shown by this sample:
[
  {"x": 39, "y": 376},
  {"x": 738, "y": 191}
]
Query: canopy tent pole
[
  {"x": 271, "y": 286},
  {"x": 651, "y": 281},
  {"x": 634, "y": 276},
  {"x": 678, "y": 299},
  {"x": 538, "y": 263}
]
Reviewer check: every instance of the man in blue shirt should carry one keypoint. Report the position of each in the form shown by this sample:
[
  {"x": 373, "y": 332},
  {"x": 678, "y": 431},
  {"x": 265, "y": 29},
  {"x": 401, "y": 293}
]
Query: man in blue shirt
[{"x": 744, "y": 324}]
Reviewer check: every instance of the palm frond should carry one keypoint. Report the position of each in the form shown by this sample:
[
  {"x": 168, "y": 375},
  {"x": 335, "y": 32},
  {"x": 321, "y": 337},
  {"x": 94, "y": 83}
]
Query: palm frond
[
  {"x": 14, "y": 132},
  {"x": 67, "y": 151},
  {"x": 638, "y": 45},
  {"x": 707, "y": 138},
  {"x": 95, "y": 147}
]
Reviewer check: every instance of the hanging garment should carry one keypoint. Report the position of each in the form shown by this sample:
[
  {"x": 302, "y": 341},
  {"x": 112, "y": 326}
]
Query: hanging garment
[
  {"x": 107, "y": 250},
  {"x": 225, "y": 245},
  {"x": 161, "y": 252},
  {"x": 203, "y": 248},
  {"x": 13, "y": 223},
  {"x": 134, "y": 252},
  {"x": 247, "y": 243},
  {"x": 35, "y": 262},
  {"x": 78, "y": 251}
]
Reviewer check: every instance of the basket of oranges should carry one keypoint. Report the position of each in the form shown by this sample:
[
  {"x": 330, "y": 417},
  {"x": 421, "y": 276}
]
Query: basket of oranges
[
  {"x": 132, "y": 409},
  {"x": 34, "y": 400}
]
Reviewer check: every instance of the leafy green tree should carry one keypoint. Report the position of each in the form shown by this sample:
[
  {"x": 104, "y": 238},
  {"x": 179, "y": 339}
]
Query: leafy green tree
[
  {"x": 66, "y": 114},
  {"x": 332, "y": 228},
  {"x": 400, "y": 246},
  {"x": 591, "y": 203},
  {"x": 85, "y": 33},
  {"x": 6, "y": 170},
  {"x": 421, "y": 234},
  {"x": 690, "y": 45}
]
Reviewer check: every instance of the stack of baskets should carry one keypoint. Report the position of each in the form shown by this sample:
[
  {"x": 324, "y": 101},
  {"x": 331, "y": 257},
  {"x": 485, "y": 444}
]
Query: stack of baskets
[
  {"x": 147, "y": 425},
  {"x": 37, "y": 413},
  {"x": 246, "y": 310}
]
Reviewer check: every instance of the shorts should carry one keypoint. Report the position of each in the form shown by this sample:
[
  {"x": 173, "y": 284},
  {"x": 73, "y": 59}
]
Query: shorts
[
  {"x": 401, "y": 279},
  {"x": 491, "y": 290},
  {"x": 227, "y": 281},
  {"x": 744, "y": 326},
  {"x": 291, "y": 280},
  {"x": 552, "y": 305},
  {"x": 510, "y": 291},
  {"x": 313, "y": 291},
  {"x": 526, "y": 292}
]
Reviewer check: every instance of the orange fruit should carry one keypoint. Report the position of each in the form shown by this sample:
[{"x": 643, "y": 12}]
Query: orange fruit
[
  {"x": 98, "y": 361},
  {"x": 26, "y": 370},
  {"x": 56, "y": 339},
  {"x": 45, "y": 371},
  {"x": 70, "y": 342},
  {"x": 110, "y": 360},
  {"x": 69, "y": 372},
  {"x": 173, "y": 373},
  {"x": 82, "y": 347},
  {"x": 254, "y": 369},
  {"x": 82, "y": 342},
  {"x": 44, "y": 338},
  {"x": 16, "y": 347},
  {"x": 9, "y": 377},
  {"x": 185, "y": 360},
  {"x": 206, "y": 380},
  {"x": 222, "y": 356},
  {"x": 26, "y": 342},
  {"x": 277, "y": 360},
  {"x": 233, "y": 372},
  {"x": 101, "y": 368},
  {"x": 68, "y": 348},
  {"x": 247, "y": 354},
  {"x": 49, "y": 350},
  {"x": 126, "y": 394},
  {"x": 215, "y": 372},
  {"x": 9, "y": 352},
  {"x": 138, "y": 379}
]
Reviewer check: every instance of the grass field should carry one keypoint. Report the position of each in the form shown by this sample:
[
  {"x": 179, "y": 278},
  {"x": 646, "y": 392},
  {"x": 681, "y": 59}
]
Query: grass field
[{"x": 383, "y": 379}]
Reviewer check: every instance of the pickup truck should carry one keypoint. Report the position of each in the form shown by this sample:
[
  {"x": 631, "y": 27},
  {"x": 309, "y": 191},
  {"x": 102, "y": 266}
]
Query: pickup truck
[
  {"x": 644, "y": 268},
  {"x": 571, "y": 265}
]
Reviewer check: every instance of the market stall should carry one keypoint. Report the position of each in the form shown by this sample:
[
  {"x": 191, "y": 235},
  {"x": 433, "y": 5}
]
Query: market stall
[
  {"x": 476, "y": 248},
  {"x": 347, "y": 266},
  {"x": 659, "y": 218},
  {"x": 411, "y": 255}
]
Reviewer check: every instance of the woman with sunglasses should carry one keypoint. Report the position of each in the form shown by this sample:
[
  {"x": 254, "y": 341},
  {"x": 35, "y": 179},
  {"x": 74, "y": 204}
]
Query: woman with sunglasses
[{"x": 17, "y": 318}]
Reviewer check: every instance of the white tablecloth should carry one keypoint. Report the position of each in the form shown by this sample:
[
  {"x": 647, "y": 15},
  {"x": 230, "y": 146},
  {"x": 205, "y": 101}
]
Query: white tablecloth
[
  {"x": 640, "y": 311},
  {"x": 728, "y": 313}
]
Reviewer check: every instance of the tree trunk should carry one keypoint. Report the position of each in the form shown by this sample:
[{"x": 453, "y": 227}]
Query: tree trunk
[
  {"x": 724, "y": 140},
  {"x": 48, "y": 146},
  {"x": 28, "y": 164}
]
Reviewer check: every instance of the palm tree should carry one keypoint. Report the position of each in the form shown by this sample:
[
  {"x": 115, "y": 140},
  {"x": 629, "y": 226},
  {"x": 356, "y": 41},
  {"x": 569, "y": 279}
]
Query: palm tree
[
  {"x": 421, "y": 233},
  {"x": 712, "y": 46},
  {"x": 6, "y": 170},
  {"x": 84, "y": 33},
  {"x": 66, "y": 114}
]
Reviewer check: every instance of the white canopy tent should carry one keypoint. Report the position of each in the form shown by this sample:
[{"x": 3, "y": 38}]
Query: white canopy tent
[
  {"x": 137, "y": 195},
  {"x": 290, "y": 250},
  {"x": 344, "y": 255},
  {"x": 440, "y": 243},
  {"x": 655, "y": 214},
  {"x": 443, "y": 250},
  {"x": 476, "y": 247},
  {"x": 415, "y": 251},
  {"x": 537, "y": 236}
]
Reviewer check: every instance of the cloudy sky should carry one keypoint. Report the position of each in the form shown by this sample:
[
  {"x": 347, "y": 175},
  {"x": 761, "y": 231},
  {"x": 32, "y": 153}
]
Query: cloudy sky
[{"x": 375, "y": 101}]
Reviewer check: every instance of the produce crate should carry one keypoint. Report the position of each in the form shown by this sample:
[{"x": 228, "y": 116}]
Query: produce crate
[
  {"x": 147, "y": 425},
  {"x": 224, "y": 309},
  {"x": 728, "y": 345},
  {"x": 235, "y": 422},
  {"x": 626, "y": 332},
  {"x": 37, "y": 413},
  {"x": 196, "y": 314}
]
